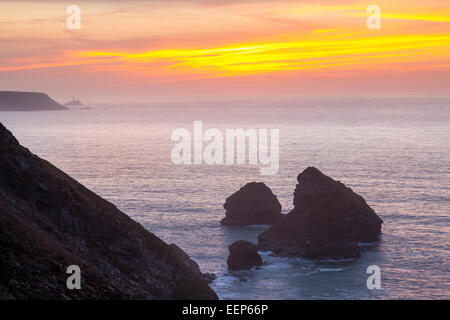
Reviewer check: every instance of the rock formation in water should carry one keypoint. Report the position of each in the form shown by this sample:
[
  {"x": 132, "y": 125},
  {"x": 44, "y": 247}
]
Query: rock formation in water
[
  {"x": 252, "y": 204},
  {"x": 73, "y": 103},
  {"x": 328, "y": 221},
  {"x": 48, "y": 221},
  {"x": 243, "y": 255},
  {"x": 27, "y": 101}
]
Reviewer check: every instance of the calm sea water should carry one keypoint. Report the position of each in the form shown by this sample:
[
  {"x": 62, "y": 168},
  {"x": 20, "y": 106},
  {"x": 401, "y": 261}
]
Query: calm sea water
[{"x": 393, "y": 152}]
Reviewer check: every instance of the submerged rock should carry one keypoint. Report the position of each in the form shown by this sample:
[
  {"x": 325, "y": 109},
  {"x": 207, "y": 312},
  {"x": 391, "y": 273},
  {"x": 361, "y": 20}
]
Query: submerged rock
[
  {"x": 48, "y": 221},
  {"x": 191, "y": 264},
  {"x": 252, "y": 204},
  {"x": 209, "y": 277},
  {"x": 243, "y": 255},
  {"x": 328, "y": 221}
]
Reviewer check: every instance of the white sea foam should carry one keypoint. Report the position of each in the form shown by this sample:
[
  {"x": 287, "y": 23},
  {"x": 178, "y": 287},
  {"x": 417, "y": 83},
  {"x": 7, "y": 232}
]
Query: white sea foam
[{"x": 330, "y": 269}]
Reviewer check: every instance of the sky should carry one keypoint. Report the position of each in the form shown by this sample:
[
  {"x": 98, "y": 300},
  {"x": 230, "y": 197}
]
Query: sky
[{"x": 132, "y": 51}]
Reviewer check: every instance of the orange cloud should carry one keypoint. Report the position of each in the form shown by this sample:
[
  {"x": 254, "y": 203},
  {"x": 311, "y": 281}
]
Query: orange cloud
[
  {"x": 255, "y": 38},
  {"x": 308, "y": 52}
]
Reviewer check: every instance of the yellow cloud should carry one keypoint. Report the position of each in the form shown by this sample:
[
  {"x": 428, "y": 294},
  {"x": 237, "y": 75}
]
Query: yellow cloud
[
  {"x": 417, "y": 17},
  {"x": 276, "y": 56}
]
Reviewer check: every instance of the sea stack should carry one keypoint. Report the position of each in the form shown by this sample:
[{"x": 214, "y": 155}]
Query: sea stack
[
  {"x": 243, "y": 255},
  {"x": 328, "y": 221},
  {"x": 252, "y": 204},
  {"x": 27, "y": 101},
  {"x": 48, "y": 222}
]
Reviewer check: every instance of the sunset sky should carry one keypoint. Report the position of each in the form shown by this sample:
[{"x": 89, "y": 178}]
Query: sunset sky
[{"x": 146, "y": 50}]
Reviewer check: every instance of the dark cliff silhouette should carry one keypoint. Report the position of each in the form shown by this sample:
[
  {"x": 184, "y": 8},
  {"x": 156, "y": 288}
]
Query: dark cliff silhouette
[{"x": 49, "y": 221}]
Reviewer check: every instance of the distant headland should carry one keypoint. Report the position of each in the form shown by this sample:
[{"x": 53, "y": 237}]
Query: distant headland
[{"x": 27, "y": 101}]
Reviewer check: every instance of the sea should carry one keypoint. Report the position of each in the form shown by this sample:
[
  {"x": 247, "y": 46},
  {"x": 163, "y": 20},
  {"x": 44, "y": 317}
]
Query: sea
[{"x": 393, "y": 151}]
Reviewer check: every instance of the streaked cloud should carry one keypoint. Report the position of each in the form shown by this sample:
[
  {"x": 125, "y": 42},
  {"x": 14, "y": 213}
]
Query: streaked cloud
[
  {"x": 262, "y": 57},
  {"x": 178, "y": 40}
]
